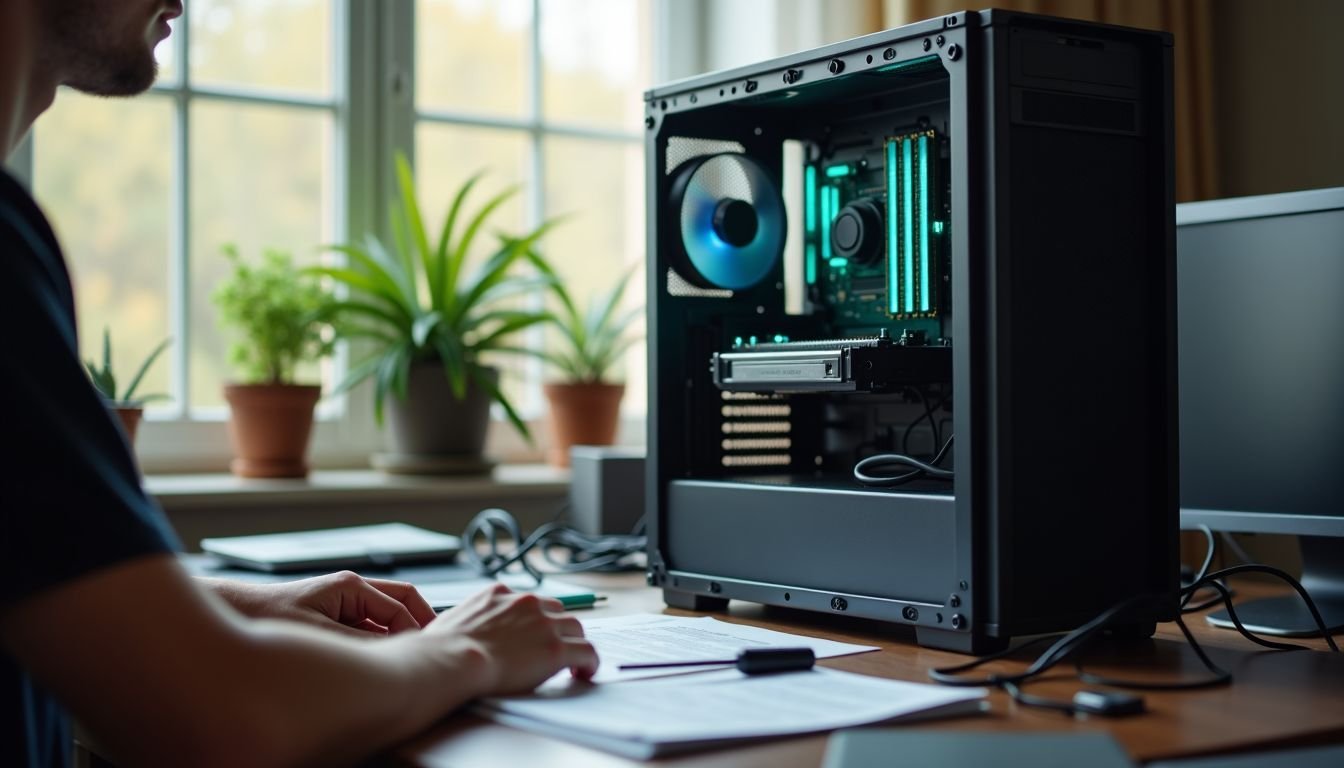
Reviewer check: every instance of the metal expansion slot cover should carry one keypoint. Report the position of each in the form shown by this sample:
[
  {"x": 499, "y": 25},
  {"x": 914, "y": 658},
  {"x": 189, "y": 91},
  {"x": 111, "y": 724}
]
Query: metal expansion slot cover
[{"x": 833, "y": 365}]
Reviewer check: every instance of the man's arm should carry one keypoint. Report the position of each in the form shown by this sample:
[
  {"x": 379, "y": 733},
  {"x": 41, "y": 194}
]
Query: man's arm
[{"x": 162, "y": 673}]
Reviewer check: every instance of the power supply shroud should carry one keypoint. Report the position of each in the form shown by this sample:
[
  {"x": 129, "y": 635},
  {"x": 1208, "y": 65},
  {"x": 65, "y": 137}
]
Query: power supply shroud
[{"x": 978, "y": 212}]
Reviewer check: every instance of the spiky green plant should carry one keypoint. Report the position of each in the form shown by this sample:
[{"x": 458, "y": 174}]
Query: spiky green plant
[
  {"x": 595, "y": 336},
  {"x": 105, "y": 381},
  {"x": 417, "y": 300}
]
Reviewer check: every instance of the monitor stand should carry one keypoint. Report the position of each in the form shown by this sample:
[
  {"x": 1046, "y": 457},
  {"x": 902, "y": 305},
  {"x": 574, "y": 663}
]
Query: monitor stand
[{"x": 1322, "y": 577}]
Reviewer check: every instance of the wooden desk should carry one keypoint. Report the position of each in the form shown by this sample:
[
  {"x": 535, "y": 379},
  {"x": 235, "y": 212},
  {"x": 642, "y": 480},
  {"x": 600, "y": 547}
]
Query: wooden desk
[{"x": 1277, "y": 699}]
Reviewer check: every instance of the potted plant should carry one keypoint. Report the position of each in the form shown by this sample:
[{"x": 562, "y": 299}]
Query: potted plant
[
  {"x": 585, "y": 406},
  {"x": 282, "y": 316},
  {"x": 127, "y": 406},
  {"x": 433, "y": 321}
]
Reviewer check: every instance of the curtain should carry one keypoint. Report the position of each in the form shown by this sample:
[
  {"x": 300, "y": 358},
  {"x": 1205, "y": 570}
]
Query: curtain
[{"x": 1190, "y": 24}]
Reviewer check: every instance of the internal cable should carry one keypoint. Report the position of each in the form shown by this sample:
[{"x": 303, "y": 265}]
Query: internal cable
[{"x": 892, "y": 461}]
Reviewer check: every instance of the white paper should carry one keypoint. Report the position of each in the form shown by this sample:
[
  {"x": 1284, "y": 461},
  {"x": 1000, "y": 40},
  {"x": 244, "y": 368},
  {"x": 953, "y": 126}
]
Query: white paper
[
  {"x": 442, "y": 595},
  {"x": 650, "y": 638},
  {"x": 655, "y": 716}
]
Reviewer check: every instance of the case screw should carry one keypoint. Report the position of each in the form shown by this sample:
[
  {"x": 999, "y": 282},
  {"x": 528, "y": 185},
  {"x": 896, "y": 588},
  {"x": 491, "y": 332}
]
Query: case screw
[
  {"x": 648, "y": 122},
  {"x": 715, "y": 587},
  {"x": 958, "y": 621},
  {"x": 954, "y": 51},
  {"x": 889, "y": 54},
  {"x": 927, "y": 45},
  {"x": 839, "y": 603},
  {"x": 955, "y": 601},
  {"x": 939, "y": 40},
  {"x": 836, "y": 66},
  {"x": 750, "y": 86},
  {"x": 964, "y": 586},
  {"x": 910, "y": 612},
  {"x": 792, "y": 76}
]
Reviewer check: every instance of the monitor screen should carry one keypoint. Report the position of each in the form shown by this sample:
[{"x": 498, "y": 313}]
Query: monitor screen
[{"x": 1260, "y": 325}]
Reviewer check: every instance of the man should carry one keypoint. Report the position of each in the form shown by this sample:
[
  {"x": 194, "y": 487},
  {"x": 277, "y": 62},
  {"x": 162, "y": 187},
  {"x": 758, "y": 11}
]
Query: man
[{"x": 96, "y": 615}]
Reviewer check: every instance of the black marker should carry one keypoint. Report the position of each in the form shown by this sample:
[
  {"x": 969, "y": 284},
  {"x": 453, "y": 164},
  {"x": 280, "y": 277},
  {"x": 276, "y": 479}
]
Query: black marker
[{"x": 752, "y": 661}]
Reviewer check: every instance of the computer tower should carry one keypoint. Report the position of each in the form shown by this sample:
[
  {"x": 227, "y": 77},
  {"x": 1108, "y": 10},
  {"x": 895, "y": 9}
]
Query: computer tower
[{"x": 960, "y": 228}]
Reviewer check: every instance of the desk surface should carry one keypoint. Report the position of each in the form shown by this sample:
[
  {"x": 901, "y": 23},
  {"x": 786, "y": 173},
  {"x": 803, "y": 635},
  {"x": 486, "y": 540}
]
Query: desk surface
[{"x": 1277, "y": 699}]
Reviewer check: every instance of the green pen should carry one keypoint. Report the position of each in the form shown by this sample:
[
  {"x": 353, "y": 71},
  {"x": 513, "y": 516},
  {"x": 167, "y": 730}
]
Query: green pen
[{"x": 586, "y": 600}]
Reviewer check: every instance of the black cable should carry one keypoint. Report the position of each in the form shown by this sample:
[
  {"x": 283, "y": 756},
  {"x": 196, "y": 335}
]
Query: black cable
[
  {"x": 888, "y": 461},
  {"x": 1074, "y": 641},
  {"x": 586, "y": 552},
  {"x": 929, "y": 410},
  {"x": 1209, "y": 552}
]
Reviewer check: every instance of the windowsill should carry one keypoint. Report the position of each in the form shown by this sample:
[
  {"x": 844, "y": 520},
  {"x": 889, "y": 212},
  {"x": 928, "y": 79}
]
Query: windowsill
[{"x": 177, "y": 493}]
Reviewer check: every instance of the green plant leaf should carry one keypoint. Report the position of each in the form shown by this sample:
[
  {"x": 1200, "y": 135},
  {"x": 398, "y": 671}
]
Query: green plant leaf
[
  {"x": 496, "y": 268},
  {"x": 498, "y": 395},
  {"x": 460, "y": 253},
  {"x": 129, "y": 394},
  {"x": 416, "y": 224},
  {"x": 454, "y": 365},
  {"x": 358, "y": 373},
  {"x": 508, "y": 328},
  {"x": 424, "y": 326},
  {"x": 449, "y": 268}
]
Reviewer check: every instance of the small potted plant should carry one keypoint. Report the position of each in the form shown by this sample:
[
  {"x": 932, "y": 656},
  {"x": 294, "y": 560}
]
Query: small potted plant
[
  {"x": 282, "y": 316},
  {"x": 585, "y": 405},
  {"x": 433, "y": 321},
  {"x": 126, "y": 404}
]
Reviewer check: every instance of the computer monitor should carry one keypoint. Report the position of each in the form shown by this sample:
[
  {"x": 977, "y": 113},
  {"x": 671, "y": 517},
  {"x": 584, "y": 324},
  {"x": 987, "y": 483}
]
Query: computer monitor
[{"x": 1260, "y": 318}]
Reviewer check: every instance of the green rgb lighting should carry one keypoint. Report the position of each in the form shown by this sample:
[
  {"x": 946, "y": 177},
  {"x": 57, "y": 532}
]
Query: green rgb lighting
[
  {"x": 938, "y": 227},
  {"x": 810, "y": 198},
  {"x": 826, "y": 215},
  {"x": 839, "y": 262},
  {"x": 838, "y": 171},
  {"x": 908, "y": 194},
  {"x": 810, "y": 263},
  {"x": 893, "y": 234},
  {"x": 924, "y": 223}
]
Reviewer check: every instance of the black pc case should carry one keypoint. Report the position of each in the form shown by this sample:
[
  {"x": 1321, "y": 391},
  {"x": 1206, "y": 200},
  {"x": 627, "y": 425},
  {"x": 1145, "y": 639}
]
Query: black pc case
[{"x": 960, "y": 228}]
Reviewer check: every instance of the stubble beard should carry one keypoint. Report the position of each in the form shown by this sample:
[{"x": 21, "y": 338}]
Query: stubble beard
[{"x": 94, "y": 54}]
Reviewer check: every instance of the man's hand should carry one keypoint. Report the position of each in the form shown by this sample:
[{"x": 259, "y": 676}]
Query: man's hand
[
  {"x": 344, "y": 602},
  {"x": 521, "y": 639}
]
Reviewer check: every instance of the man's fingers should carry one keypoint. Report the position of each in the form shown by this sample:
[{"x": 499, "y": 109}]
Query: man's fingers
[
  {"x": 580, "y": 657},
  {"x": 368, "y": 603},
  {"x": 407, "y": 595},
  {"x": 567, "y": 626}
]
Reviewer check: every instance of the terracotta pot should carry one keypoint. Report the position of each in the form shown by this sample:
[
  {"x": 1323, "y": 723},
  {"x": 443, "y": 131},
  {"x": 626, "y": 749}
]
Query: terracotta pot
[
  {"x": 581, "y": 413},
  {"x": 269, "y": 428},
  {"x": 130, "y": 416},
  {"x": 431, "y": 431}
]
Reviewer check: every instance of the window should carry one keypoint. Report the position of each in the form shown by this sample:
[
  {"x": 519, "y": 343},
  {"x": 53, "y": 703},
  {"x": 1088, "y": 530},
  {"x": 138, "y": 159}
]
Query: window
[
  {"x": 546, "y": 94},
  {"x": 268, "y": 127}
]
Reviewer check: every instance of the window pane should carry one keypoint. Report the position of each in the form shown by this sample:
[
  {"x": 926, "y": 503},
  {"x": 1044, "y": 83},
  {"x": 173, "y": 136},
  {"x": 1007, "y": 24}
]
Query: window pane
[
  {"x": 275, "y": 44},
  {"x": 445, "y": 157},
  {"x": 600, "y": 184},
  {"x": 102, "y": 171},
  {"x": 596, "y": 55},
  {"x": 261, "y": 178},
  {"x": 472, "y": 55}
]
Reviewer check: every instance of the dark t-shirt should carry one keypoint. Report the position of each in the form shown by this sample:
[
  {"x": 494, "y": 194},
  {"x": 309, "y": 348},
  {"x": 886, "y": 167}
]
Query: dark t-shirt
[{"x": 70, "y": 496}]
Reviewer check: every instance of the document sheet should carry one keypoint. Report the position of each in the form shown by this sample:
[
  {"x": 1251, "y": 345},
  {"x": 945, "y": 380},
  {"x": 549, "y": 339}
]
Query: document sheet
[
  {"x": 650, "y": 638},
  {"x": 645, "y": 718}
]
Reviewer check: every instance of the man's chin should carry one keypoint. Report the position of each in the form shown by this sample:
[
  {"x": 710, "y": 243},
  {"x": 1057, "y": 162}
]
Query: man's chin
[{"x": 128, "y": 79}]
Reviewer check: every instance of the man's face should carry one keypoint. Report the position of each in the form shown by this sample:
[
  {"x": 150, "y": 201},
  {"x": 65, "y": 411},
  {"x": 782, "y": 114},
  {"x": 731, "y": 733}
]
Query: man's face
[{"x": 106, "y": 47}]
